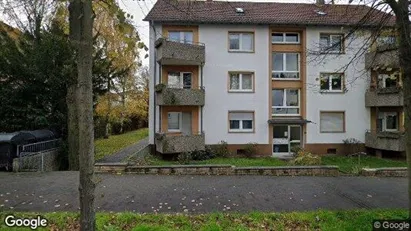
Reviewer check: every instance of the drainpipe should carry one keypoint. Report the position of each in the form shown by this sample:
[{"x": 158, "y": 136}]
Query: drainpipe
[
  {"x": 201, "y": 71},
  {"x": 155, "y": 80}
]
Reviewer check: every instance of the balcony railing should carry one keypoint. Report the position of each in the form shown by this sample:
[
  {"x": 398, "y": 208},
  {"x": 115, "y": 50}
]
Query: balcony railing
[
  {"x": 384, "y": 97},
  {"x": 382, "y": 59},
  {"x": 177, "y": 53},
  {"x": 177, "y": 143},
  {"x": 167, "y": 96},
  {"x": 391, "y": 141}
]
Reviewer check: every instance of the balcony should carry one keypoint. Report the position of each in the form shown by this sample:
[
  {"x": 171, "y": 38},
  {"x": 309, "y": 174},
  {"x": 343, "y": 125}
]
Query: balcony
[
  {"x": 178, "y": 96},
  {"x": 176, "y": 53},
  {"x": 384, "y": 97},
  {"x": 382, "y": 59},
  {"x": 391, "y": 141},
  {"x": 176, "y": 143}
]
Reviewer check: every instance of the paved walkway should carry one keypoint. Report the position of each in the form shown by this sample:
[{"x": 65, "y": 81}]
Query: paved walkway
[
  {"x": 58, "y": 191},
  {"x": 121, "y": 156}
]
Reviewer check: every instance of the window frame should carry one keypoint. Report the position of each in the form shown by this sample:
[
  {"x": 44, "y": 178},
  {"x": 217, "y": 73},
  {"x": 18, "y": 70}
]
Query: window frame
[
  {"x": 285, "y": 65},
  {"x": 285, "y": 102},
  {"x": 285, "y": 36},
  {"x": 240, "y": 33},
  {"x": 330, "y": 77},
  {"x": 181, "y": 79},
  {"x": 241, "y": 130},
  {"x": 180, "y": 122},
  {"x": 384, "y": 121},
  {"x": 182, "y": 32},
  {"x": 333, "y": 112},
  {"x": 327, "y": 50},
  {"x": 383, "y": 78},
  {"x": 240, "y": 90}
]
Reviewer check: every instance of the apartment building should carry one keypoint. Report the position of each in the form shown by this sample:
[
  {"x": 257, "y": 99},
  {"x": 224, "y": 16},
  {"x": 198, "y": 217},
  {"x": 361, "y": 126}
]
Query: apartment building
[{"x": 277, "y": 74}]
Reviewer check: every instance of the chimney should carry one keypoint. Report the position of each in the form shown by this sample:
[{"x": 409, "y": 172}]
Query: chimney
[{"x": 320, "y": 2}]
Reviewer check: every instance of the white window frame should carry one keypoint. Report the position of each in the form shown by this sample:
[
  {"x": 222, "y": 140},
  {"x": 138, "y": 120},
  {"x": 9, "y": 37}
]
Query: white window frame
[
  {"x": 285, "y": 66},
  {"x": 241, "y": 129},
  {"x": 181, "y": 40},
  {"x": 285, "y": 103},
  {"x": 331, "y": 76},
  {"x": 181, "y": 80},
  {"x": 384, "y": 77},
  {"x": 384, "y": 121},
  {"x": 327, "y": 49},
  {"x": 334, "y": 112},
  {"x": 240, "y": 43},
  {"x": 240, "y": 74},
  {"x": 284, "y": 38},
  {"x": 180, "y": 122}
]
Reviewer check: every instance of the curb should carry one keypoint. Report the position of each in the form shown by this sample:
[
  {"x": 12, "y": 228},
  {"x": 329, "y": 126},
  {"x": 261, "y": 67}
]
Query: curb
[{"x": 385, "y": 172}]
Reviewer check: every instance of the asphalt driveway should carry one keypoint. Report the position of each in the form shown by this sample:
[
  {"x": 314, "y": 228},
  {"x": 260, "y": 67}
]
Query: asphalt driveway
[{"x": 58, "y": 191}]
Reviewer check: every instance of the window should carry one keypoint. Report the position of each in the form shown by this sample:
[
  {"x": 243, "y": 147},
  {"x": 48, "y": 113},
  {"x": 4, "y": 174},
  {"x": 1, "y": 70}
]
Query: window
[
  {"x": 243, "y": 42},
  {"x": 332, "y": 122},
  {"x": 174, "y": 121},
  {"x": 241, "y": 121},
  {"x": 387, "y": 121},
  {"x": 285, "y": 102},
  {"x": 240, "y": 82},
  {"x": 181, "y": 36},
  {"x": 332, "y": 82},
  {"x": 386, "y": 40},
  {"x": 286, "y": 66},
  {"x": 289, "y": 37},
  {"x": 179, "y": 80},
  {"x": 331, "y": 43},
  {"x": 387, "y": 81}
]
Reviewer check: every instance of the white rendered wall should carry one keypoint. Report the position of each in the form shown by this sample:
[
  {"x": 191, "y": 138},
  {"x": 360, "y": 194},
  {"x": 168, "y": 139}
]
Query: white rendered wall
[
  {"x": 215, "y": 75},
  {"x": 357, "y": 116}
]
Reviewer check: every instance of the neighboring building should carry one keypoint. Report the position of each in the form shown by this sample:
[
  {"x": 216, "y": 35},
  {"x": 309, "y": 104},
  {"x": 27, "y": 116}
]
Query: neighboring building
[{"x": 277, "y": 74}]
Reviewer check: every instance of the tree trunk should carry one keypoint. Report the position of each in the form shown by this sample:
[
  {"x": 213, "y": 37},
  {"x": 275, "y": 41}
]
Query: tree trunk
[
  {"x": 403, "y": 26},
  {"x": 81, "y": 26},
  {"x": 72, "y": 124}
]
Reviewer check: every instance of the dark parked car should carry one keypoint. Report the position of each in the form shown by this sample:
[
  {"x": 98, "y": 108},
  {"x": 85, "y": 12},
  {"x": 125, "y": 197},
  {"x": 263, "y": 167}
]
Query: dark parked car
[{"x": 10, "y": 142}]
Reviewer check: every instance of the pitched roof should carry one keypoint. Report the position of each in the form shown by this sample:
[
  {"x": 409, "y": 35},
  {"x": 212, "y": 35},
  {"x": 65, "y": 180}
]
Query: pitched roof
[{"x": 272, "y": 13}]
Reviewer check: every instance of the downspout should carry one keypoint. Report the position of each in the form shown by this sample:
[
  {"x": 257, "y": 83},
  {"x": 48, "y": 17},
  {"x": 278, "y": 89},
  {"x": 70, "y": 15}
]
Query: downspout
[
  {"x": 155, "y": 82},
  {"x": 202, "y": 87}
]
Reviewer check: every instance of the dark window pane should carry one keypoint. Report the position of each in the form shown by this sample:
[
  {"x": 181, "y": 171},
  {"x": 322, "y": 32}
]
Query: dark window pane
[
  {"x": 278, "y": 97},
  {"x": 336, "y": 43},
  {"x": 186, "y": 80},
  {"x": 234, "y": 41},
  {"x": 278, "y": 61},
  {"x": 247, "y": 124},
  {"x": 325, "y": 82},
  {"x": 277, "y": 37},
  {"x": 324, "y": 42},
  {"x": 390, "y": 82},
  {"x": 234, "y": 124},
  {"x": 280, "y": 132},
  {"x": 292, "y": 97},
  {"x": 291, "y": 37},
  {"x": 392, "y": 122},
  {"x": 336, "y": 82},
  {"x": 280, "y": 148}
]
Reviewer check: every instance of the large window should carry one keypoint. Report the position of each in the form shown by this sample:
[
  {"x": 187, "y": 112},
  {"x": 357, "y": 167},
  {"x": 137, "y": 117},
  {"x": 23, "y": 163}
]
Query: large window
[
  {"x": 241, "y": 82},
  {"x": 241, "y": 121},
  {"x": 387, "y": 121},
  {"x": 286, "y": 66},
  {"x": 241, "y": 42},
  {"x": 179, "y": 80},
  {"x": 332, "y": 122},
  {"x": 332, "y": 82},
  {"x": 387, "y": 81},
  {"x": 331, "y": 43},
  {"x": 289, "y": 37},
  {"x": 174, "y": 121},
  {"x": 181, "y": 36},
  {"x": 285, "y": 102}
]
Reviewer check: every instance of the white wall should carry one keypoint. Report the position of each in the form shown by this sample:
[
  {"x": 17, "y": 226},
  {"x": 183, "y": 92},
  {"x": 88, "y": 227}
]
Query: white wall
[
  {"x": 217, "y": 100},
  {"x": 357, "y": 116},
  {"x": 153, "y": 37}
]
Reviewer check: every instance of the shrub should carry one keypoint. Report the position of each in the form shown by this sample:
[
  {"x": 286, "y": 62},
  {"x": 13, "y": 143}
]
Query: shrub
[
  {"x": 221, "y": 149},
  {"x": 184, "y": 158},
  {"x": 202, "y": 155},
  {"x": 250, "y": 149},
  {"x": 306, "y": 158},
  {"x": 352, "y": 146},
  {"x": 160, "y": 87}
]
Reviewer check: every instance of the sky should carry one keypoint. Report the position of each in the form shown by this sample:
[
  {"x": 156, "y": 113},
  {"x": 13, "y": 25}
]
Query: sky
[{"x": 139, "y": 9}]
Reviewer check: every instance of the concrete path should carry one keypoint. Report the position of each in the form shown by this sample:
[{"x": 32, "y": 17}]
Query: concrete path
[
  {"x": 58, "y": 191},
  {"x": 121, "y": 156}
]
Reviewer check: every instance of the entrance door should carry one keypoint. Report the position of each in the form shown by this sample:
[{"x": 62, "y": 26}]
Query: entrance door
[{"x": 285, "y": 137}]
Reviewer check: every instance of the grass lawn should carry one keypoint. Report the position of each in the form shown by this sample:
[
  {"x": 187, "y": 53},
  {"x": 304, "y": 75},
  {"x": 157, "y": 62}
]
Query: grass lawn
[
  {"x": 346, "y": 164},
  {"x": 115, "y": 143},
  {"x": 351, "y": 165},
  {"x": 316, "y": 220}
]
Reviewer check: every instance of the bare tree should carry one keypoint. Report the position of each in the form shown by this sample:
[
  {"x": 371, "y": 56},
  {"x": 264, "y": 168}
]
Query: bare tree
[{"x": 81, "y": 35}]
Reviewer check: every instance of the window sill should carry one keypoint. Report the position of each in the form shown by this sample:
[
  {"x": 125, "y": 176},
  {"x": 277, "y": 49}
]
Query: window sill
[
  {"x": 331, "y": 92},
  {"x": 240, "y": 91},
  {"x": 332, "y": 132},
  {"x": 240, "y": 131},
  {"x": 286, "y": 43},
  {"x": 240, "y": 51},
  {"x": 331, "y": 53},
  {"x": 286, "y": 79},
  {"x": 285, "y": 115}
]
